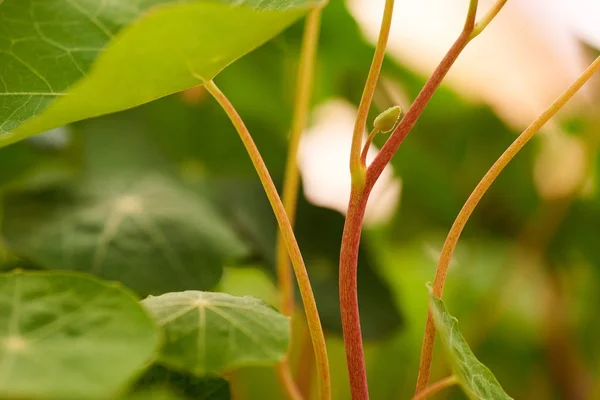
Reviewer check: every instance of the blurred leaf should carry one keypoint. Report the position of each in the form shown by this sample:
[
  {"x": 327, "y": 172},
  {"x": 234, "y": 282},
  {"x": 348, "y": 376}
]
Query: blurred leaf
[
  {"x": 476, "y": 379},
  {"x": 212, "y": 332},
  {"x": 70, "y": 336},
  {"x": 151, "y": 394},
  {"x": 126, "y": 221},
  {"x": 184, "y": 386},
  {"x": 36, "y": 165},
  {"x": 62, "y": 75}
]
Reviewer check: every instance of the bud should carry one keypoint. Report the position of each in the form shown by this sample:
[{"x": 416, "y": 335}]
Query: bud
[{"x": 386, "y": 121}]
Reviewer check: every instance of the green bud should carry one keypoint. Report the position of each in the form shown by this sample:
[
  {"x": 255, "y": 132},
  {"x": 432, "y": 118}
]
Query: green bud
[{"x": 387, "y": 120}]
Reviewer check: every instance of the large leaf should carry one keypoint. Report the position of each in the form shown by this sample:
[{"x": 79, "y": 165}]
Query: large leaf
[
  {"x": 127, "y": 220},
  {"x": 212, "y": 332},
  {"x": 66, "y": 60},
  {"x": 70, "y": 336},
  {"x": 476, "y": 379}
]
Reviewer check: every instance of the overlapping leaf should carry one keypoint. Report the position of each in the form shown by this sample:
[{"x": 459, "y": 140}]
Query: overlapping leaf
[
  {"x": 66, "y": 60},
  {"x": 70, "y": 336},
  {"x": 212, "y": 332}
]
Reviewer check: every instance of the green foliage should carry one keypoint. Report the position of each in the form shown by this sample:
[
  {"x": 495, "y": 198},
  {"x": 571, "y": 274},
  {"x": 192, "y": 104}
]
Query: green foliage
[
  {"x": 476, "y": 379},
  {"x": 123, "y": 221},
  {"x": 163, "y": 198},
  {"x": 214, "y": 332},
  {"x": 69, "y": 336},
  {"x": 59, "y": 75},
  {"x": 159, "y": 378}
]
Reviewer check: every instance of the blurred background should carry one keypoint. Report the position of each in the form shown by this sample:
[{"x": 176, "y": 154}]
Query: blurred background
[{"x": 524, "y": 281}]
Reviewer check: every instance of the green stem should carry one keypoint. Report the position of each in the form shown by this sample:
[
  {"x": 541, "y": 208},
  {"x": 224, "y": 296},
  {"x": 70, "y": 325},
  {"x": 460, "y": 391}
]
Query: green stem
[
  {"x": 473, "y": 200},
  {"x": 357, "y": 169},
  {"x": 291, "y": 180},
  {"x": 365, "y": 150},
  {"x": 310, "y": 306},
  {"x": 487, "y": 18}
]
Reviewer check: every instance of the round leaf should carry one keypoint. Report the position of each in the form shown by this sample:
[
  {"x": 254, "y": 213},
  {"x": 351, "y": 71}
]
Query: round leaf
[
  {"x": 212, "y": 332},
  {"x": 70, "y": 336}
]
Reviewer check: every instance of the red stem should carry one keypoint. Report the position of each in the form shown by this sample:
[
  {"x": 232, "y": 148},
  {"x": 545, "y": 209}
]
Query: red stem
[
  {"x": 416, "y": 109},
  {"x": 349, "y": 296},
  {"x": 354, "y": 221}
]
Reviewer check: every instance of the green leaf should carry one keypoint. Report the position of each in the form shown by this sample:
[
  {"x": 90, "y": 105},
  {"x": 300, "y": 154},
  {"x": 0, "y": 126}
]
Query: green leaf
[
  {"x": 150, "y": 233},
  {"x": 70, "y": 336},
  {"x": 476, "y": 379},
  {"x": 106, "y": 56},
  {"x": 185, "y": 386},
  {"x": 127, "y": 220},
  {"x": 212, "y": 332}
]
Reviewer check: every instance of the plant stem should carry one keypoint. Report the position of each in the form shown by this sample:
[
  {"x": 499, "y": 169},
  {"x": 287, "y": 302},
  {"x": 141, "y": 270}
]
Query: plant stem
[
  {"x": 291, "y": 182},
  {"x": 292, "y": 179},
  {"x": 436, "y": 387},
  {"x": 352, "y": 228},
  {"x": 357, "y": 169},
  {"x": 308, "y": 299},
  {"x": 287, "y": 381},
  {"x": 416, "y": 109},
  {"x": 360, "y": 194},
  {"x": 471, "y": 203},
  {"x": 367, "y": 145},
  {"x": 485, "y": 21},
  {"x": 348, "y": 294}
]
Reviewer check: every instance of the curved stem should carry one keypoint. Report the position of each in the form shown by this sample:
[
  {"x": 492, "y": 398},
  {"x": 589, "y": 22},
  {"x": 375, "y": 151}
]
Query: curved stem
[
  {"x": 473, "y": 200},
  {"x": 436, "y": 387},
  {"x": 356, "y": 168},
  {"x": 292, "y": 179},
  {"x": 310, "y": 306},
  {"x": 287, "y": 381},
  {"x": 367, "y": 145},
  {"x": 352, "y": 228},
  {"x": 291, "y": 182}
]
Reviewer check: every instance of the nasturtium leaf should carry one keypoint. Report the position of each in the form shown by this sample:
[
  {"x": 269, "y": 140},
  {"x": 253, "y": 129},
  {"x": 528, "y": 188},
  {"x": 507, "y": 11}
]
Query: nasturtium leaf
[
  {"x": 185, "y": 386},
  {"x": 213, "y": 332},
  {"x": 478, "y": 382},
  {"x": 70, "y": 336},
  {"x": 67, "y": 60},
  {"x": 148, "y": 232}
]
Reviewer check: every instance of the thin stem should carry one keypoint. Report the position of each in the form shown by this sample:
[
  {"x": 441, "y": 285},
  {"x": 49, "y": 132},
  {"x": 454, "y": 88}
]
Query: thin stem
[
  {"x": 367, "y": 145},
  {"x": 471, "y": 203},
  {"x": 287, "y": 381},
  {"x": 436, "y": 387},
  {"x": 487, "y": 18},
  {"x": 356, "y": 168},
  {"x": 305, "y": 366},
  {"x": 358, "y": 202},
  {"x": 310, "y": 306},
  {"x": 418, "y": 106},
  {"x": 416, "y": 109},
  {"x": 292, "y": 177},
  {"x": 291, "y": 180},
  {"x": 352, "y": 229}
]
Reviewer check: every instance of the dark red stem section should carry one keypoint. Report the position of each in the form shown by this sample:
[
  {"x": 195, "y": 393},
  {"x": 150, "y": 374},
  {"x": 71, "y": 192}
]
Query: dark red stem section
[
  {"x": 354, "y": 221},
  {"x": 349, "y": 296}
]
